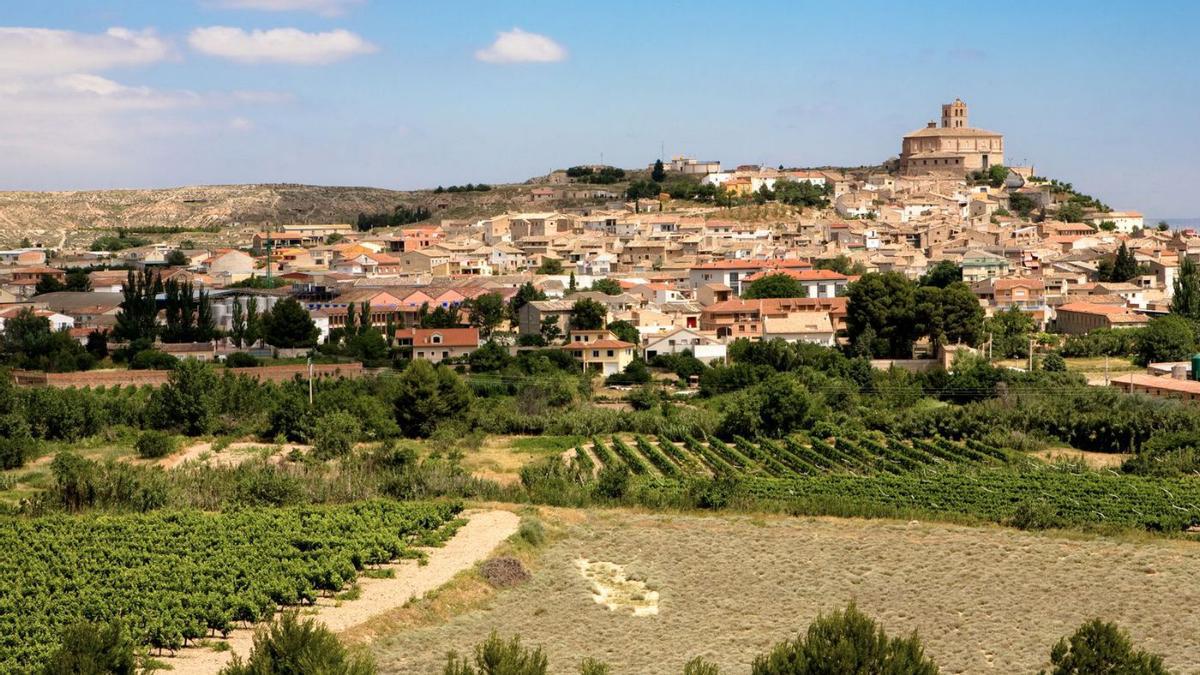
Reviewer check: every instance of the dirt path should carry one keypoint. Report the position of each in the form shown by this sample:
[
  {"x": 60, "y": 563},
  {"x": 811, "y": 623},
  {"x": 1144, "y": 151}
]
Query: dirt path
[{"x": 483, "y": 532}]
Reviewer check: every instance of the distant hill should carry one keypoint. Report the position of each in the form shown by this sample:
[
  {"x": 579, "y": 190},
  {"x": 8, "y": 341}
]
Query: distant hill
[{"x": 76, "y": 218}]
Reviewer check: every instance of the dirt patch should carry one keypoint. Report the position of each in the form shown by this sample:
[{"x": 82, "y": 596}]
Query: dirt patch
[
  {"x": 504, "y": 571},
  {"x": 232, "y": 454},
  {"x": 1096, "y": 460},
  {"x": 983, "y": 599},
  {"x": 483, "y": 532},
  {"x": 613, "y": 588}
]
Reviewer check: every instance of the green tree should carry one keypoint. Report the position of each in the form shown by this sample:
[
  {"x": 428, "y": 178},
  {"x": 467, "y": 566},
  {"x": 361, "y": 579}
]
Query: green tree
[
  {"x": 550, "y": 330},
  {"x": 846, "y": 642},
  {"x": 775, "y": 407},
  {"x": 440, "y": 317},
  {"x": 94, "y": 649},
  {"x": 841, "y": 264},
  {"x": 1054, "y": 363},
  {"x": 587, "y": 314},
  {"x": 495, "y": 656},
  {"x": 607, "y": 286},
  {"x": 775, "y": 285},
  {"x": 942, "y": 274},
  {"x": 1185, "y": 298},
  {"x": 950, "y": 315},
  {"x": 79, "y": 281},
  {"x": 1163, "y": 226},
  {"x": 626, "y": 331},
  {"x": 27, "y": 342},
  {"x": 490, "y": 357},
  {"x": 295, "y": 646},
  {"x": 1099, "y": 647},
  {"x": 254, "y": 327},
  {"x": 188, "y": 401},
  {"x": 335, "y": 434},
  {"x": 48, "y": 284},
  {"x": 368, "y": 347},
  {"x": 885, "y": 304},
  {"x": 487, "y": 313},
  {"x": 1009, "y": 331},
  {"x": 1124, "y": 265},
  {"x": 802, "y": 193},
  {"x": 137, "y": 318},
  {"x": 288, "y": 325},
  {"x": 424, "y": 396},
  {"x": 643, "y": 189},
  {"x": 177, "y": 258},
  {"x": 658, "y": 174},
  {"x": 550, "y": 266},
  {"x": 525, "y": 294},
  {"x": 1070, "y": 212},
  {"x": 237, "y": 323},
  {"x": 1166, "y": 338}
]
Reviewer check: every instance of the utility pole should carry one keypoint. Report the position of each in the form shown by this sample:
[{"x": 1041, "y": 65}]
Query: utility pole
[
  {"x": 310, "y": 381},
  {"x": 1031, "y": 355}
]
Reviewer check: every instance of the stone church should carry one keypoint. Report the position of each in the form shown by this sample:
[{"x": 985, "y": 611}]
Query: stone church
[{"x": 954, "y": 148}]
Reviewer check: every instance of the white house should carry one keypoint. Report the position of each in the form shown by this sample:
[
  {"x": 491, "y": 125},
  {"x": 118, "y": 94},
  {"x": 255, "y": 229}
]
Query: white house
[
  {"x": 811, "y": 327},
  {"x": 703, "y": 346}
]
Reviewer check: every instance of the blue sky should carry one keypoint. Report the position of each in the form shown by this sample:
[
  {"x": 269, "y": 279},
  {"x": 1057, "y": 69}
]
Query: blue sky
[{"x": 401, "y": 94}]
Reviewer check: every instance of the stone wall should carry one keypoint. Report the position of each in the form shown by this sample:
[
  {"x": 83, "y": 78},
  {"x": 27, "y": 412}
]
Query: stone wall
[{"x": 109, "y": 378}]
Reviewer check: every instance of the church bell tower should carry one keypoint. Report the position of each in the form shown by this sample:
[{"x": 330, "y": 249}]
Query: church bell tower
[{"x": 954, "y": 115}]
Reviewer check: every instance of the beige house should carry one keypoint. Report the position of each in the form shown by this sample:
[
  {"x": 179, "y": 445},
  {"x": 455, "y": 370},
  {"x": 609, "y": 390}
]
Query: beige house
[
  {"x": 438, "y": 344},
  {"x": 601, "y": 352}
]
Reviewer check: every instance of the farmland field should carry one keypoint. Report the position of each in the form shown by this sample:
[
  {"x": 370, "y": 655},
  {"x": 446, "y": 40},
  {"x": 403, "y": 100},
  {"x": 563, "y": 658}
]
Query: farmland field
[
  {"x": 983, "y": 599},
  {"x": 178, "y": 577}
]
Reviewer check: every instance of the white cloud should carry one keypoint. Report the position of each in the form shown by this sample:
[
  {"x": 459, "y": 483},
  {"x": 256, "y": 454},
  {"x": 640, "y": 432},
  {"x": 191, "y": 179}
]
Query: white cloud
[
  {"x": 322, "y": 7},
  {"x": 41, "y": 51},
  {"x": 278, "y": 45},
  {"x": 518, "y": 46}
]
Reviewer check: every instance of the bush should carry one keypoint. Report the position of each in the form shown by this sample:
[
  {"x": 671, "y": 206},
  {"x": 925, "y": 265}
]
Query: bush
[
  {"x": 335, "y": 435},
  {"x": 613, "y": 481},
  {"x": 154, "y": 444},
  {"x": 241, "y": 360},
  {"x": 497, "y": 657},
  {"x": 1167, "y": 338},
  {"x": 291, "y": 417},
  {"x": 1035, "y": 515},
  {"x": 153, "y": 359},
  {"x": 1099, "y": 647},
  {"x": 846, "y": 642},
  {"x": 292, "y": 645},
  {"x": 93, "y": 649},
  {"x": 1054, "y": 363}
]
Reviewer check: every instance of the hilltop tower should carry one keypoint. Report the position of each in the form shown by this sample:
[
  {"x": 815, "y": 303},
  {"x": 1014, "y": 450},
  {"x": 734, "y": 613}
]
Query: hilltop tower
[
  {"x": 953, "y": 149},
  {"x": 954, "y": 115}
]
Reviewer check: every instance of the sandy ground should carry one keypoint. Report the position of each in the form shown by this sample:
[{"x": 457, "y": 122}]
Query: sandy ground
[
  {"x": 232, "y": 455},
  {"x": 483, "y": 532},
  {"x": 984, "y": 600},
  {"x": 1096, "y": 460}
]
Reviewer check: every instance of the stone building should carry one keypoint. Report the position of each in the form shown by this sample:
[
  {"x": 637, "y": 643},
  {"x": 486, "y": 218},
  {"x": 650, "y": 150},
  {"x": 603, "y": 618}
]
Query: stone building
[{"x": 954, "y": 148}]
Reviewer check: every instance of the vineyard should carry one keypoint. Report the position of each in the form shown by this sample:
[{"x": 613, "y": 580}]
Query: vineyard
[
  {"x": 787, "y": 458},
  {"x": 870, "y": 474},
  {"x": 175, "y": 578}
]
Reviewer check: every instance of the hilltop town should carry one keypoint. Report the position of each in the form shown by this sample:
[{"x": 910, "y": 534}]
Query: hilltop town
[
  {"x": 604, "y": 408},
  {"x": 668, "y": 251}
]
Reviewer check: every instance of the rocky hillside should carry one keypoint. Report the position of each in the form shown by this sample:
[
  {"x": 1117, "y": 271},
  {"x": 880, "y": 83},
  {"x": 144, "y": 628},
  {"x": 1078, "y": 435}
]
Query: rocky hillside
[{"x": 73, "y": 219}]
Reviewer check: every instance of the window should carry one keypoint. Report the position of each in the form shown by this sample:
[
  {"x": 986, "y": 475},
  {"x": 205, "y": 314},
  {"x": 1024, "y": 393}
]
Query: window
[
  {"x": 610, "y": 352},
  {"x": 436, "y": 339},
  {"x": 595, "y": 353}
]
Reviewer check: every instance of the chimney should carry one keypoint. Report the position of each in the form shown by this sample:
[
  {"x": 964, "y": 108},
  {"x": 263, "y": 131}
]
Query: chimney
[
  {"x": 931, "y": 125},
  {"x": 1179, "y": 372}
]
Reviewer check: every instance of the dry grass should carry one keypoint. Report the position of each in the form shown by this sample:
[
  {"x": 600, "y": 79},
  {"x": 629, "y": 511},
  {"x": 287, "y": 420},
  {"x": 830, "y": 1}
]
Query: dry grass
[
  {"x": 1096, "y": 460},
  {"x": 983, "y": 599}
]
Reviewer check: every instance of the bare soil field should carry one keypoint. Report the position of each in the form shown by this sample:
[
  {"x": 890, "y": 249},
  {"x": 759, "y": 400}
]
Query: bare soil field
[
  {"x": 1096, "y": 460},
  {"x": 984, "y": 600}
]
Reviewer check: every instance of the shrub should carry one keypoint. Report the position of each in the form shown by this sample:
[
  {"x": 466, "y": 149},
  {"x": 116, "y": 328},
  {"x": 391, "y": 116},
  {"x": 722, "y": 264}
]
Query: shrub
[
  {"x": 154, "y": 444},
  {"x": 698, "y": 666},
  {"x": 189, "y": 400},
  {"x": 1054, "y": 363},
  {"x": 1035, "y": 515},
  {"x": 494, "y": 656},
  {"x": 335, "y": 435},
  {"x": 292, "y": 645},
  {"x": 532, "y": 532},
  {"x": 845, "y": 642},
  {"x": 241, "y": 360},
  {"x": 291, "y": 418},
  {"x": 153, "y": 359},
  {"x": 613, "y": 481},
  {"x": 93, "y": 649},
  {"x": 1099, "y": 647}
]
